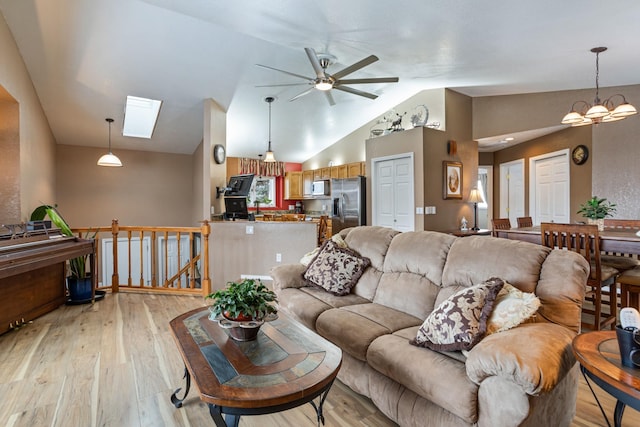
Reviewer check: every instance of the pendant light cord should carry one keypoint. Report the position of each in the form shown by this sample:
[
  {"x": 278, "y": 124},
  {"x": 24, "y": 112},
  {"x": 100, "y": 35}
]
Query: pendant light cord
[
  {"x": 269, "y": 126},
  {"x": 597, "y": 100}
]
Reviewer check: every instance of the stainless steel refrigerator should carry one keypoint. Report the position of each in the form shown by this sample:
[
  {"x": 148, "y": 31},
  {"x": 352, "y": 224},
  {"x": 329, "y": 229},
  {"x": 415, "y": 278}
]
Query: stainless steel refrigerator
[{"x": 349, "y": 204}]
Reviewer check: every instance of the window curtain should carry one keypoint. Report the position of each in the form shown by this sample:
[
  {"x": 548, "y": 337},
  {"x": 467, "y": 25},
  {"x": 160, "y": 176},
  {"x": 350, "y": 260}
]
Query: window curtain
[{"x": 261, "y": 168}]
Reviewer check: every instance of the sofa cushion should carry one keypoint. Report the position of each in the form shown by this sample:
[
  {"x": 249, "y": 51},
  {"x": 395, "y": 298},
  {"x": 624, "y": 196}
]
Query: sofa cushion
[
  {"x": 460, "y": 321},
  {"x": 432, "y": 375},
  {"x": 354, "y": 327},
  {"x": 309, "y": 256},
  {"x": 336, "y": 269},
  {"x": 512, "y": 307}
]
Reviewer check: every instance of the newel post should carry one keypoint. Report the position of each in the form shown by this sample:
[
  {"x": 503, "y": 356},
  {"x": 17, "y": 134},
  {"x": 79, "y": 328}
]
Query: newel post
[
  {"x": 206, "y": 280},
  {"x": 115, "y": 278}
]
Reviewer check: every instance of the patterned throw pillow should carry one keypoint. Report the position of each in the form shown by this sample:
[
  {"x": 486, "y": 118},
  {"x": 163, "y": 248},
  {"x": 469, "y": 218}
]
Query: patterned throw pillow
[
  {"x": 309, "y": 256},
  {"x": 336, "y": 269},
  {"x": 512, "y": 308},
  {"x": 460, "y": 321}
]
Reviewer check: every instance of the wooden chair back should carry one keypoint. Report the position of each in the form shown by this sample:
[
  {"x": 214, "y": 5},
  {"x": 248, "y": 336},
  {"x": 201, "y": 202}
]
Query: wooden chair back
[
  {"x": 500, "y": 224},
  {"x": 524, "y": 221},
  {"x": 584, "y": 239},
  {"x": 294, "y": 217},
  {"x": 322, "y": 229}
]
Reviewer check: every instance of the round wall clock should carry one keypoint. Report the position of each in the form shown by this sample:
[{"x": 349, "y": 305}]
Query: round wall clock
[
  {"x": 219, "y": 154},
  {"x": 580, "y": 154}
]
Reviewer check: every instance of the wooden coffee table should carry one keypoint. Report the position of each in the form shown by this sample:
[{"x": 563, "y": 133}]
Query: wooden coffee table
[
  {"x": 599, "y": 357},
  {"x": 286, "y": 366}
]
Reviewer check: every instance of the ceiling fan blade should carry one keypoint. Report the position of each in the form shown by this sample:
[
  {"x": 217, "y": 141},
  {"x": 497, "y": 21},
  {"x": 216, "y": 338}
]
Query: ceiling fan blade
[
  {"x": 285, "y": 72},
  {"x": 315, "y": 62},
  {"x": 284, "y": 84},
  {"x": 363, "y": 81},
  {"x": 302, "y": 94},
  {"x": 327, "y": 94},
  {"x": 356, "y": 92},
  {"x": 355, "y": 67}
]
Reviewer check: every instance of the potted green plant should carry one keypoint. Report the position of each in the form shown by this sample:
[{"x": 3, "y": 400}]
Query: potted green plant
[
  {"x": 596, "y": 210},
  {"x": 245, "y": 304},
  {"x": 79, "y": 281}
]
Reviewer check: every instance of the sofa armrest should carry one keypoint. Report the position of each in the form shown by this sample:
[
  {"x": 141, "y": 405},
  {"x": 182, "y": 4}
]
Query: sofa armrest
[
  {"x": 536, "y": 356},
  {"x": 288, "y": 276}
]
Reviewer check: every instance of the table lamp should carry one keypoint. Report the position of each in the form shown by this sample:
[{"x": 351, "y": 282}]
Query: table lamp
[{"x": 475, "y": 197}]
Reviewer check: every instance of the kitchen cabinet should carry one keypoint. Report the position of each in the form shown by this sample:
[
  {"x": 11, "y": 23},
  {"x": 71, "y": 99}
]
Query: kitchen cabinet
[
  {"x": 307, "y": 181},
  {"x": 325, "y": 173},
  {"x": 343, "y": 171},
  {"x": 293, "y": 186},
  {"x": 355, "y": 169},
  {"x": 334, "y": 172}
]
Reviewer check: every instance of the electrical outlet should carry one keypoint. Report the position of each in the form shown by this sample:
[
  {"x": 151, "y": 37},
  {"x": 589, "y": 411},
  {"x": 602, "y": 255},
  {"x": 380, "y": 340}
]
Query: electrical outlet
[
  {"x": 278, "y": 257},
  {"x": 430, "y": 210},
  {"x": 419, "y": 210},
  {"x": 249, "y": 229}
]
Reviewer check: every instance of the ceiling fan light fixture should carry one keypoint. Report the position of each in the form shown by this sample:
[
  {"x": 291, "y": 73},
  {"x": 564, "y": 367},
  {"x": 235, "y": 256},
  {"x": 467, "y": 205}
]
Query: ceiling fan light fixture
[
  {"x": 324, "y": 84},
  {"x": 109, "y": 159}
]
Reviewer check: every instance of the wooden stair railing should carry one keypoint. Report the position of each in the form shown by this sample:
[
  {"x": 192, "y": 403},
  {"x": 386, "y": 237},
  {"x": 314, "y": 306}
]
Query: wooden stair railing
[{"x": 170, "y": 280}]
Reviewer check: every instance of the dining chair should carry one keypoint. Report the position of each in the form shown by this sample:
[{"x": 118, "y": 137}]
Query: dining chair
[
  {"x": 322, "y": 229},
  {"x": 619, "y": 260},
  {"x": 524, "y": 221},
  {"x": 499, "y": 224},
  {"x": 584, "y": 239}
]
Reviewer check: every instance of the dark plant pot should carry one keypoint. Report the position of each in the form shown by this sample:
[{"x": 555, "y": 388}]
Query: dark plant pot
[
  {"x": 79, "y": 289},
  {"x": 247, "y": 332}
]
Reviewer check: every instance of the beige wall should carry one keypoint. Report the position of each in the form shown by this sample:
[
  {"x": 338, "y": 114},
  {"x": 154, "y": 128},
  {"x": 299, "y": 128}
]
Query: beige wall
[
  {"x": 351, "y": 148},
  {"x": 580, "y": 186},
  {"x": 614, "y": 150},
  {"x": 429, "y": 148},
  {"x": 215, "y": 132},
  {"x": 9, "y": 159},
  {"x": 151, "y": 189},
  {"x": 37, "y": 146}
]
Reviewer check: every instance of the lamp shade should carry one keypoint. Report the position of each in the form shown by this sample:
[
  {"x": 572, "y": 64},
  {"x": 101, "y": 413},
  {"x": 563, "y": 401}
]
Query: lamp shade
[
  {"x": 475, "y": 196},
  {"x": 624, "y": 110},
  {"x": 269, "y": 157},
  {"x": 109, "y": 160}
]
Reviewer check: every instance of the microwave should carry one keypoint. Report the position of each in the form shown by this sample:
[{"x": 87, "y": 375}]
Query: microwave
[{"x": 320, "y": 188}]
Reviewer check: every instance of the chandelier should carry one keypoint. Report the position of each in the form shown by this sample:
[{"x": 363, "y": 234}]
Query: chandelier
[{"x": 582, "y": 113}]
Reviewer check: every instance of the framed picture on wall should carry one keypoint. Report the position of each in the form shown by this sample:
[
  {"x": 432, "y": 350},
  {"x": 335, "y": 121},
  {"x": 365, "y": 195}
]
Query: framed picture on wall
[{"x": 452, "y": 180}]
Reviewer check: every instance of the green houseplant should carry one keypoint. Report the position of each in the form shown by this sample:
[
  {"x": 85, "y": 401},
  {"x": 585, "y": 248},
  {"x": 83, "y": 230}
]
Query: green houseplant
[
  {"x": 596, "y": 210},
  {"x": 245, "y": 300},
  {"x": 79, "y": 281}
]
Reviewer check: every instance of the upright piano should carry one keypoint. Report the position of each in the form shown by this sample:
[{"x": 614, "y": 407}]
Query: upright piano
[{"x": 32, "y": 273}]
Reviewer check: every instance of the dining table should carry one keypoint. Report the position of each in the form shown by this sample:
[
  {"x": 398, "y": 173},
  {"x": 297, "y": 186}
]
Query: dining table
[{"x": 618, "y": 240}]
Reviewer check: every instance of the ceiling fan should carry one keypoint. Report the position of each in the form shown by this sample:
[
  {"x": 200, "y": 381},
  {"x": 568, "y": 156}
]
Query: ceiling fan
[{"x": 324, "y": 81}]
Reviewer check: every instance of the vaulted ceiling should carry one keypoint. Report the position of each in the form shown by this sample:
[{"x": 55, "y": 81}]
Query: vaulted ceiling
[{"x": 86, "y": 56}]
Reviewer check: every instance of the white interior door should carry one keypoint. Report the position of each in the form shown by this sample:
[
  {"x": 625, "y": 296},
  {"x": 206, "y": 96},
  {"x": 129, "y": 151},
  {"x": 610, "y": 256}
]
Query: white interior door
[
  {"x": 392, "y": 191},
  {"x": 549, "y": 187},
  {"x": 512, "y": 190}
]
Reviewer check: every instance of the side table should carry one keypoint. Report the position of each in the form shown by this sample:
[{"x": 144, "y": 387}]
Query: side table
[{"x": 599, "y": 358}]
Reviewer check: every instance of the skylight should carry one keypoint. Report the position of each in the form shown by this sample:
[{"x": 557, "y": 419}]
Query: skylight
[{"x": 140, "y": 116}]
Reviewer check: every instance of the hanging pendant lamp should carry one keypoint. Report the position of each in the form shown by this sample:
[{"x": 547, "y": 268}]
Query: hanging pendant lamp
[
  {"x": 110, "y": 159},
  {"x": 582, "y": 113},
  {"x": 269, "y": 156}
]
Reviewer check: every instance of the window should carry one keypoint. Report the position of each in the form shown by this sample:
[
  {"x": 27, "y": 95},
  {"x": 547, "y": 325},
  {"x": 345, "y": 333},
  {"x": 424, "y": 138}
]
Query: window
[{"x": 263, "y": 189}]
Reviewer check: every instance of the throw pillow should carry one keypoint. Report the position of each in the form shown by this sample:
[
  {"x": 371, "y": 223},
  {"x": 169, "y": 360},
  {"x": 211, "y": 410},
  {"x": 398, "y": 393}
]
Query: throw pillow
[
  {"x": 512, "y": 308},
  {"x": 336, "y": 269},
  {"x": 460, "y": 321},
  {"x": 308, "y": 257}
]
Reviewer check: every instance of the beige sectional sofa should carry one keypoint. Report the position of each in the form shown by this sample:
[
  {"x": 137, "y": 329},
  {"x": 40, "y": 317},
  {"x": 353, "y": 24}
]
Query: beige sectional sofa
[{"x": 523, "y": 376}]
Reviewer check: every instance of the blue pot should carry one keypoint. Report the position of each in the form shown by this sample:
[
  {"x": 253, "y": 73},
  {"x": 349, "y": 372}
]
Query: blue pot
[{"x": 79, "y": 289}]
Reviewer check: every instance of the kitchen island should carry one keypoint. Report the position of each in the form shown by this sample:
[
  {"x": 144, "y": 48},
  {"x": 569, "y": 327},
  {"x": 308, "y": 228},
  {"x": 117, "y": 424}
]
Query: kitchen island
[{"x": 250, "y": 248}]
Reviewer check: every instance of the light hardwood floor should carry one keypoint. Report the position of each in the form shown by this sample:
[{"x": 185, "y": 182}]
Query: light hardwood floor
[{"x": 114, "y": 364}]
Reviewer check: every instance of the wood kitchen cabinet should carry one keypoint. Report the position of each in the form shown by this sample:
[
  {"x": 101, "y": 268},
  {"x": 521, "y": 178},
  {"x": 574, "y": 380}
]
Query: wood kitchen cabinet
[
  {"x": 293, "y": 186},
  {"x": 355, "y": 169},
  {"x": 307, "y": 181}
]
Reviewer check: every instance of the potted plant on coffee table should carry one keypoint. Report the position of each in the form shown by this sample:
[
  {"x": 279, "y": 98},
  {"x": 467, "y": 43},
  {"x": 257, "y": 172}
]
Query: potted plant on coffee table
[
  {"x": 596, "y": 210},
  {"x": 242, "y": 307},
  {"x": 79, "y": 281}
]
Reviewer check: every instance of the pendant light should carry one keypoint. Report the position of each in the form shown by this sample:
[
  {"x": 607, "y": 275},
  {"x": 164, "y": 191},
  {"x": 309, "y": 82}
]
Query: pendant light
[
  {"x": 269, "y": 156},
  {"x": 109, "y": 159},
  {"x": 582, "y": 113}
]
